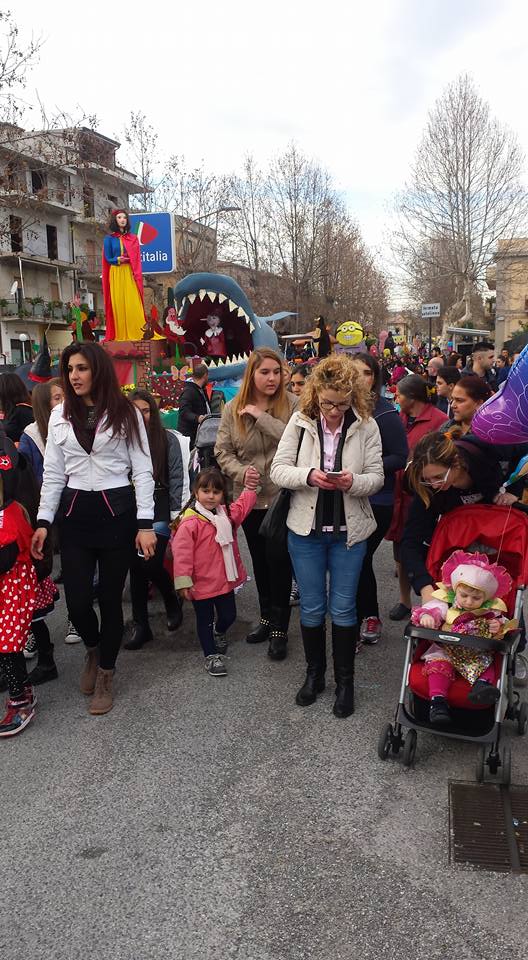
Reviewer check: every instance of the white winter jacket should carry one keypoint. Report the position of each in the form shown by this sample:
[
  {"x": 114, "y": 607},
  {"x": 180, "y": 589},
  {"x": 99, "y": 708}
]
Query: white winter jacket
[
  {"x": 361, "y": 457},
  {"x": 112, "y": 462}
]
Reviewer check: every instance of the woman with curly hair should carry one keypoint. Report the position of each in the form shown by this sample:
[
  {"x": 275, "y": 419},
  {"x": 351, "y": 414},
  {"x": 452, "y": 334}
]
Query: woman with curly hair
[{"x": 330, "y": 457}]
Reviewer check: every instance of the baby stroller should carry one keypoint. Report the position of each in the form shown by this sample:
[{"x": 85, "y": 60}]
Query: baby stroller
[
  {"x": 202, "y": 455},
  {"x": 501, "y": 533}
]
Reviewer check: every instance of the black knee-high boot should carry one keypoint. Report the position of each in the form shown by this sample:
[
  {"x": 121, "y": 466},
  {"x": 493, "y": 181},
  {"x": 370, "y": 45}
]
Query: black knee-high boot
[
  {"x": 344, "y": 640},
  {"x": 314, "y": 642}
]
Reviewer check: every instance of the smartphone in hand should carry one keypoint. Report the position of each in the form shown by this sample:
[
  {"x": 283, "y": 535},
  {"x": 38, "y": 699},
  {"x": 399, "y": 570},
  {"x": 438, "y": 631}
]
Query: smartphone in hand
[{"x": 333, "y": 474}]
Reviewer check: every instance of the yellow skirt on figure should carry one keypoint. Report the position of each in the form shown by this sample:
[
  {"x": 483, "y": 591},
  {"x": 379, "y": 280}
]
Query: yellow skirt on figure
[{"x": 129, "y": 315}]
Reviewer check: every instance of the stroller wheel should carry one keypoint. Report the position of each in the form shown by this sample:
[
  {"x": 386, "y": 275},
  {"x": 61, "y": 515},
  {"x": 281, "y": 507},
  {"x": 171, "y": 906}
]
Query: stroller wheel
[
  {"x": 481, "y": 765},
  {"x": 385, "y": 741},
  {"x": 506, "y": 766},
  {"x": 409, "y": 748},
  {"x": 522, "y": 719}
]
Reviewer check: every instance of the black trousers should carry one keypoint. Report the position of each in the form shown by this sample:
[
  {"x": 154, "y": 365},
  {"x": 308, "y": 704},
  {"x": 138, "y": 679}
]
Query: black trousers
[
  {"x": 367, "y": 593},
  {"x": 78, "y": 567},
  {"x": 225, "y": 607},
  {"x": 143, "y": 572},
  {"x": 13, "y": 667},
  {"x": 271, "y": 568}
]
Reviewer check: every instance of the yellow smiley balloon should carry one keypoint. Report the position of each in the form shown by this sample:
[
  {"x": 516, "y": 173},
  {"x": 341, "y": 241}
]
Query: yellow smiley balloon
[{"x": 349, "y": 333}]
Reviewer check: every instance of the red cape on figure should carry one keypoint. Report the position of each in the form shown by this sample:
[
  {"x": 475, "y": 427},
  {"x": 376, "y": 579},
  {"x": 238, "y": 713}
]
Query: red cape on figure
[{"x": 133, "y": 252}]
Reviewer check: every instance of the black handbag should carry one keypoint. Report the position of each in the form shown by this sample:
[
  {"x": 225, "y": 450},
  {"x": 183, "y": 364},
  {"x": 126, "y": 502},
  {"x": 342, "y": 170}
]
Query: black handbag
[{"x": 273, "y": 527}]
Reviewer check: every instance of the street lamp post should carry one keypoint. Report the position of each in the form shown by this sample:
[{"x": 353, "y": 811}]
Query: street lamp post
[{"x": 23, "y": 337}]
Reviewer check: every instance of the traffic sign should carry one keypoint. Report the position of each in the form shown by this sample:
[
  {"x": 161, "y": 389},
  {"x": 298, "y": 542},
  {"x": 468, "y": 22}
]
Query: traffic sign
[
  {"x": 430, "y": 310},
  {"x": 155, "y": 232}
]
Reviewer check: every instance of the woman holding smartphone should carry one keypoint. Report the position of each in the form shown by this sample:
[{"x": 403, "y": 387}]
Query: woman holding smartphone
[
  {"x": 97, "y": 468},
  {"x": 330, "y": 457}
]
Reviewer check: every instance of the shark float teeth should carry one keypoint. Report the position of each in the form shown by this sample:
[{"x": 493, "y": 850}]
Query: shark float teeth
[
  {"x": 222, "y": 298},
  {"x": 221, "y": 362}
]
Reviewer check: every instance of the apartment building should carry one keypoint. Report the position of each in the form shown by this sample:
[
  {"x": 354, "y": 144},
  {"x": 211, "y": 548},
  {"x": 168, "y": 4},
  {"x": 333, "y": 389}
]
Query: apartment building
[
  {"x": 56, "y": 190},
  {"x": 508, "y": 276}
]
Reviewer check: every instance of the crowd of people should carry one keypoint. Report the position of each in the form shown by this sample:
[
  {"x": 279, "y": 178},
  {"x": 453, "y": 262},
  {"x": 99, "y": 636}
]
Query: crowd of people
[{"x": 351, "y": 449}]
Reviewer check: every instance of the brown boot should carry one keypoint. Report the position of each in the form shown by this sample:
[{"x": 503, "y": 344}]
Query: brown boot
[
  {"x": 101, "y": 701},
  {"x": 91, "y": 663}
]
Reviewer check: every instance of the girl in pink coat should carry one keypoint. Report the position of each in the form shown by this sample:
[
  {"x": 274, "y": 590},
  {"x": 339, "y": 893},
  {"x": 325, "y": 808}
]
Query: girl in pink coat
[{"x": 207, "y": 562}]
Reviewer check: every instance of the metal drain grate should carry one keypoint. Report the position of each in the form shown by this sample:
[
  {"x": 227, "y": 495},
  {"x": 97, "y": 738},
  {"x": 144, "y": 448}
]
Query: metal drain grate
[{"x": 488, "y": 826}]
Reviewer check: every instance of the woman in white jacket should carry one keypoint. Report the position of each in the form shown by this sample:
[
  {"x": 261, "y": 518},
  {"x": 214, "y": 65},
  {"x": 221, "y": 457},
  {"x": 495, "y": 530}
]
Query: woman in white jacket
[
  {"x": 330, "y": 458},
  {"x": 98, "y": 470}
]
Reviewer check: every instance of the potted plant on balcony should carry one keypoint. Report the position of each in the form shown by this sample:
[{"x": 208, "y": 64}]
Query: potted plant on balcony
[
  {"x": 48, "y": 310},
  {"x": 3, "y": 306},
  {"x": 11, "y": 309},
  {"x": 57, "y": 307},
  {"x": 37, "y": 306}
]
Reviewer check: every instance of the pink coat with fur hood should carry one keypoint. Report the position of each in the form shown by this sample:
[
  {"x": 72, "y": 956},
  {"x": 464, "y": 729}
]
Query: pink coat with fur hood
[{"x": 198, "y": 562}]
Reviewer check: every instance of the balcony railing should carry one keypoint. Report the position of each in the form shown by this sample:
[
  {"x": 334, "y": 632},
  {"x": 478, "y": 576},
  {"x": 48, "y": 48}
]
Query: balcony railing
[{"x": 91, "y": 264}]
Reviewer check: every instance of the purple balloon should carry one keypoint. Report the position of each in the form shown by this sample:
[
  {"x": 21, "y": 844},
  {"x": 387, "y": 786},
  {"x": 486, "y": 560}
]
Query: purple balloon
[{"x": 504, "y": 417}]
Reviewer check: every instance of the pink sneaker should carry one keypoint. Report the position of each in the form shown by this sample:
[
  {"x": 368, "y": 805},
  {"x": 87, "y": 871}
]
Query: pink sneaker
[{"x": 370, "y": 631}]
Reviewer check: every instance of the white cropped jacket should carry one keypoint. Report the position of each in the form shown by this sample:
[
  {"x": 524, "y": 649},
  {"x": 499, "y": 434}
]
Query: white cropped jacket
[{"x": 114, "y": 461}]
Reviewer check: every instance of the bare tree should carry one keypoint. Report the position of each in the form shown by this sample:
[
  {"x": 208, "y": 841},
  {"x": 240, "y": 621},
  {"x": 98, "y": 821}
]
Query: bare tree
[
  {"x": 142, "y": 142},
  {"x": 250, "y": 232},
  {"x": 17, "y": 57},
  {"x": 464, "y": 195}
]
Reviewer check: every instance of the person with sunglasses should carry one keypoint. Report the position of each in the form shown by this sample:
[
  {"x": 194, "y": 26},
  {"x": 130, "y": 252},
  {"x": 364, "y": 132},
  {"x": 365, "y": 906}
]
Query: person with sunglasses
[
  {"x": 330, "y": 457},
  {"x": 445, "y": 472}
]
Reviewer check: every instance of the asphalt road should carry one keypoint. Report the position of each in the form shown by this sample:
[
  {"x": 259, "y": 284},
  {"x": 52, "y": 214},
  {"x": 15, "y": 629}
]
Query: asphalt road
[{"x": 212, "y": 818}]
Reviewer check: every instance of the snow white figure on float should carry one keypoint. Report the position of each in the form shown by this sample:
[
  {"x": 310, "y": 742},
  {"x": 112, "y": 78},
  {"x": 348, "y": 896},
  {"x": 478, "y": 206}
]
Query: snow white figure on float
[{"x": 123, "y": 281}]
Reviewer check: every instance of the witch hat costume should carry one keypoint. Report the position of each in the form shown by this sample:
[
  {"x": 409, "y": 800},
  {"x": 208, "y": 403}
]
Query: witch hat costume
[{"x": 41, "y": 368}]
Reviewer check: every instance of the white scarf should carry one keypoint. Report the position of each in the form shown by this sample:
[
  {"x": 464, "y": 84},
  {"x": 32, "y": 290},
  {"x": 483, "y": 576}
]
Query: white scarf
[{"x": 224, "y": 537}]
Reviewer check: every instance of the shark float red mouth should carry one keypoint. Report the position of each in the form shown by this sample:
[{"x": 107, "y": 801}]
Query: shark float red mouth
[{"x": 234, "y": 341}]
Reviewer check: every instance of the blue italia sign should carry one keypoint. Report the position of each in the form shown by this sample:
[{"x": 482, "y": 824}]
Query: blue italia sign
[{"x": 155, "y": 232}]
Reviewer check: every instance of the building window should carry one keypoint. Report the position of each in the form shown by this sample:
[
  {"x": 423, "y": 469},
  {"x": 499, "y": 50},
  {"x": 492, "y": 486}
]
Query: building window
[
  {"x": 51, "y": 237},
  {"x": 38, "y": 181},
  {"x": 15, "y": 229},
  {"x": 54, "y": 290},
  {"x": 88, "y": 202},
  {"x": 113, "y": 200}
]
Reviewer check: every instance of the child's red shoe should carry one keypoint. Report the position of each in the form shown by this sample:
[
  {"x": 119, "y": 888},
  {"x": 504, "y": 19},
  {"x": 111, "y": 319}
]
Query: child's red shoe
[{"x": 17, "y": 716}]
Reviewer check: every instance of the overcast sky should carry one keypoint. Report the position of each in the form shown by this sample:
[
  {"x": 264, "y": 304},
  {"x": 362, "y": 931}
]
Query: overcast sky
[{"x": 351, "y": 82}]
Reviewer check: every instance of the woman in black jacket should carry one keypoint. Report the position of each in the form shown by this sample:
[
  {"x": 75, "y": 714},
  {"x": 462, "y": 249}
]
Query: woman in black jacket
[
  {"x": 167, "y": 466},
  {"x": 445, "y": 473},
  {"x": 395, "y": 451}
]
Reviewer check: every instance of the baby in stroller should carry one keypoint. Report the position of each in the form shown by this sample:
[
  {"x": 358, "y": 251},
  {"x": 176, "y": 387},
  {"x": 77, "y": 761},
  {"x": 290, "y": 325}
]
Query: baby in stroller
[{"x": 468, "y": 601}]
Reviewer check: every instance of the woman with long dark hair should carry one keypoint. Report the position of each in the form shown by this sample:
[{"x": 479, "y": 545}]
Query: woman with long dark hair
[
  {"x": 249, "y": 433},
  {"x": 97, "y": 468},
  {"x": 167, "y": 466},
  {"x": 15, "y": 406}
]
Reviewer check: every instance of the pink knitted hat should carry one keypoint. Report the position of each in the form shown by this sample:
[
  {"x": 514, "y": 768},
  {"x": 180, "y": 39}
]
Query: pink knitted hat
[{"x": 475, "y": 570}]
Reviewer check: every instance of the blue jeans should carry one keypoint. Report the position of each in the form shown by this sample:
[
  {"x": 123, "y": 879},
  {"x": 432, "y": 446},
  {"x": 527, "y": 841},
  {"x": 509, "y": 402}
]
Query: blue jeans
[{"x": 313, "y": 557}]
